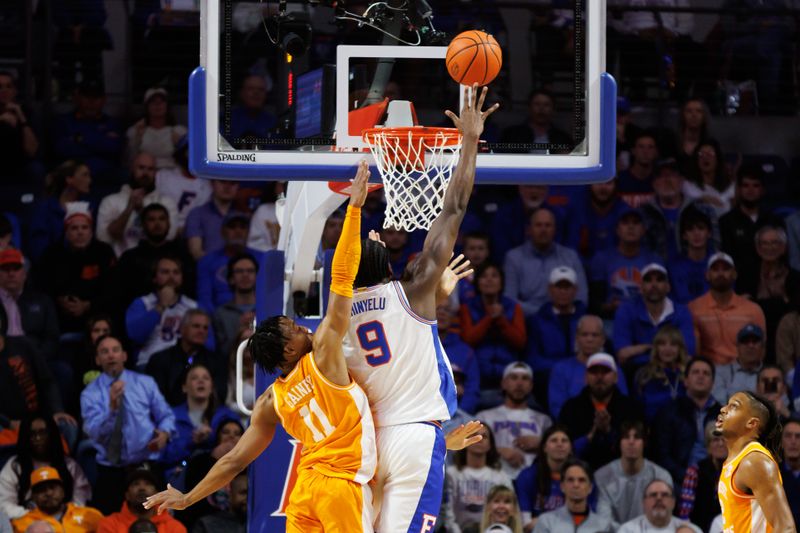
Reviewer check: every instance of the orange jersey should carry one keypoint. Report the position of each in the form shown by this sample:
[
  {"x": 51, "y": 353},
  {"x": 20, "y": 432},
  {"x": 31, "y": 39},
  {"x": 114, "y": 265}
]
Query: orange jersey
[
  {"x": 333, "y": 423},
  {"x": 741, "y": 512}
]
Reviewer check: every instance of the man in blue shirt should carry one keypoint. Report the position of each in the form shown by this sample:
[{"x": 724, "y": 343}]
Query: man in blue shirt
[
  {"x": 592, "y": 227},
  {"x": 687, "y": 271},
  {"x": 127, "y": 420},
  {"x": 249, "y": 118},
  {"x": 203, "y": 231}
]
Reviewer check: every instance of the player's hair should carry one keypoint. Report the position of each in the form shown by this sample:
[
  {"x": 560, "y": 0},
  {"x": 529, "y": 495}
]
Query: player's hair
[
  {"x": 374, "y": 267},
  {"x": 770, "y": 430},
  {"x": 267, "y": 343}
]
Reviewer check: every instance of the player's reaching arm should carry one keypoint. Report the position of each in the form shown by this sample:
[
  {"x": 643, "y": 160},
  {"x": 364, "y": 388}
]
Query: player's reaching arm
[
  {"x": 254, "y": 441},
  {"x": 428, "y": 266},
  {"x": 760, "y": 474},
  {"x": 328, "y": 338}
]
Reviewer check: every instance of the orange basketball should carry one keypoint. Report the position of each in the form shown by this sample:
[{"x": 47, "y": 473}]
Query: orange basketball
[{"x": 474, "y": 57}]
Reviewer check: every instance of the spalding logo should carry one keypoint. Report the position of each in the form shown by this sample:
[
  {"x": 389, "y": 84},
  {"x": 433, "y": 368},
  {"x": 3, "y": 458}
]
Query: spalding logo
[{"x": 236, "y": 157}]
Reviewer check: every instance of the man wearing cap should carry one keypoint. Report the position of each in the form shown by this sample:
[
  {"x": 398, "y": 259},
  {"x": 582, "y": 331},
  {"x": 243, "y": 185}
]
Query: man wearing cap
[
  {"x": 664, "y": 214},
  {"x": 595, "y": 415},
  {"x": 156, "y": 132},
  {"x": 637, "y": 320},
  {"x": 89, "y": 135},
  {"x": 140, "y": 484},
  {"x": 551, "y": 331},
  {"x": 720, "y": 314},
  {"x": 119, "y": 216},
  {"x": 47, "y": 493},
  {"x": 213, "y": 286},
  {"x": 615, "y": 273},
  {"x": 592, "y": 226},
  {"x": 568, "y": 376},
  {"x": 76, "y": 273},
  {"x": 741, "y": 374},
  {"x": 517, "y": 428},
  {"x": 635, "y": 183},
  {"x": 527, "y": 267},
  {"x": 204, "y": 223},
  {"x": 184, "y": 189}
]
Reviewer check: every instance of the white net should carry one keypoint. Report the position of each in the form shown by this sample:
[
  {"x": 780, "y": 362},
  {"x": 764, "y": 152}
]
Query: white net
[{"x": 415, "y": 165}]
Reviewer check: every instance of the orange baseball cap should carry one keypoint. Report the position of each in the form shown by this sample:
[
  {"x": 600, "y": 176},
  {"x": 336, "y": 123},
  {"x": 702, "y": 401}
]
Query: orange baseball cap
[
  {"x": 45, "y": 473},
  {"x": 11, "y": 256}
]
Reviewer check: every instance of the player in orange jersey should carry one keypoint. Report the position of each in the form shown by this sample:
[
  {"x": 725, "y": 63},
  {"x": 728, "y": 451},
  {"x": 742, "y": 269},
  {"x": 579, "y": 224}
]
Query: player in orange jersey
[{"x": 750, "y": 491}]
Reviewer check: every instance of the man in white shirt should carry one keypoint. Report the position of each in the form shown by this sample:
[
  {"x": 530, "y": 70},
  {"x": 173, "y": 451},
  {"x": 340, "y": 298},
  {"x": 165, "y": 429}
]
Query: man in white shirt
[
  {"x": 517, "y": 428},
  {"x": 658, "y": 503},
  {"x": 118, "y": 221}
]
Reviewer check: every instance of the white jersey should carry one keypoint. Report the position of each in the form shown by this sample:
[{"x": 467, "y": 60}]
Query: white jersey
[
  {"x": 186, "y": 193},
  {"x": 507, "y": 424},
  {"x": 397, "y": 358}
]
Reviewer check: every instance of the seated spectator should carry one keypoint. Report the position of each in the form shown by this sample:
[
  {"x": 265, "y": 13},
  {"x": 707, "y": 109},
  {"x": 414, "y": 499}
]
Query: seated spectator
[
  {"x": 664, "y": 214},
  {"x": 709, "y": 180},
  {"x": 168, "y": 367},
  {"x": 76, "y": 273},
  {"x": 69, "y": 182},
  {"x": 153, "y": 320},
  {"x": 501, "y": 508},
  {"x": 213, "y": 281},
  {"x": 615, "y": 274},
  {"x": 249, "y": 118},
  {"x": 239, "y": 312},
  {"x": 197, "y": 419},
  {"x": 178, "y": 184},
  {"x": 720, "y": 314},
  {"x": 568, "y": 377},
  {"x": 771, "y": 385},
  {"x": 621, "y": 482},
  {"x": 265, "y": 227},
  {"x": 227, "y": 435},
  {"x": 39, "y": 444},
  {"x": 576, "y": 514},
  {"x": 693, "y": 126},
  {"x": 140, "y": 483},
  {"x": 476, "y": 250},
  {"x": 88, "y": 134},
  {"x": 119, "y": 217},
  {"x": 687, "y": 271},
  {"x": 18, "y": 141},
  {"x": 738, "y": 227},
  {"x": 635, "y": 184},
  {"x": 538, "y": 486},
  {"x": 699, "y": 500},
  {"x": 679, "y": 437},
  {"x": 122, "y": 406},
  {"x": 658, "y": 501},
  {"x": 527, "y": 267},
  {"x": 475, "y": 470},
  {"x": 493, "y": 325},
  {"x": 156, "y": 132},
  {"x": 787, "y": 336},
  {"x": 204, "y": 223},
  {"x": 98, "y": 325},
  {"x": 790, "y": 468},
  {"x": 592, "y": 227},
  {"x": 52, "y": 506},
  {"x": 639, "y": 318},
  {"x": 136, "y": 266},
  {"x": 742, "y": 373},
  {"x": 595, "y": 416},
  {"x": 517, "y": 428},
  {"x": 660, "y": 380},
  {"x": 551, "y": 331},
  {"x": 396, "y": 242},
  {"x": 28, "y": 312},
  {"x": 538, "y": 127},
  {"x": 234, "y": 520},
  {"x": 462, "y": 359}
]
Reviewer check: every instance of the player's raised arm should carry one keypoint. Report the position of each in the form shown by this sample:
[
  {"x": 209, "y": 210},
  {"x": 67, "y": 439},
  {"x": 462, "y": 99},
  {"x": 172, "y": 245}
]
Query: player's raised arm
[
  {"x": 254, "y": 441},
  {"x": 759, "y": 473},
  {"x": 328, "y": 338},
  {"x": 441, "y": 238}
]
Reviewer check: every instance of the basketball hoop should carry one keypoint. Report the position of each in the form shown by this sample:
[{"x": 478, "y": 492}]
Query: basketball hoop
[{"x": 415, "y": 163}]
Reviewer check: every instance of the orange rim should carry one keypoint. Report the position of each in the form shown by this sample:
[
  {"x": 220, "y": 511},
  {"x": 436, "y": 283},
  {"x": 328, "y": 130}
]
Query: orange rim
[{"x": 451, "y": 135}]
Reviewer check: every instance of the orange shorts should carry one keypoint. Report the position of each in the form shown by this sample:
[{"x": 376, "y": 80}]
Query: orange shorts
[{"x": 327, "y": 504}]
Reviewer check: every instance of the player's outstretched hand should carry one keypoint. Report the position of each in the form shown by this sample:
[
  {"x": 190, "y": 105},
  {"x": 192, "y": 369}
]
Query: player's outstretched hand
[
  {"x": 459, "y": 268},
  {"x": 358, "y": 190},
  {"x": 470, "y": 123},
  {"x": 171, "y": 498},
  {"x": 464, "y": 435}
]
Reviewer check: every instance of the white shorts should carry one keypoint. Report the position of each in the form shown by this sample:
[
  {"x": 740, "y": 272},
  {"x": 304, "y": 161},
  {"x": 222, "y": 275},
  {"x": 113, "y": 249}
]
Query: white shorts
[{"x": 410, "y": 477}]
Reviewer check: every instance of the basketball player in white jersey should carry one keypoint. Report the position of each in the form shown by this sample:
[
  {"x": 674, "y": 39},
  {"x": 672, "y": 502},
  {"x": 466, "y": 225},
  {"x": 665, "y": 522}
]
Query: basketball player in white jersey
[{"x": 395, "y": 355}]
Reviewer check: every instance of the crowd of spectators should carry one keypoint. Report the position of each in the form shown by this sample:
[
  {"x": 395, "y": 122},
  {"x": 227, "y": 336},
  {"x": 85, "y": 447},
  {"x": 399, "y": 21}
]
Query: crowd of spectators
[{"x": 601, "y": 332}]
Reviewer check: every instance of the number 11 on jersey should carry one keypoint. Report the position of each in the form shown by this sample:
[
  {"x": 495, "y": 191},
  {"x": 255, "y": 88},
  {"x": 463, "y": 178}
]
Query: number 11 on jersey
[{"x": 372, "y": 338}]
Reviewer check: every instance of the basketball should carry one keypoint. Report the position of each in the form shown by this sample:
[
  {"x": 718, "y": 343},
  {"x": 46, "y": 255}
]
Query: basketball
[{"x": 474, "y": 57}]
